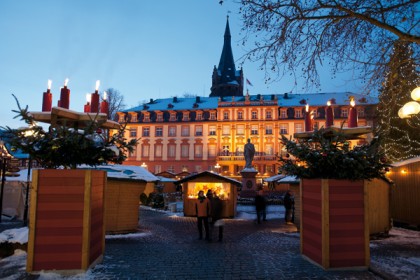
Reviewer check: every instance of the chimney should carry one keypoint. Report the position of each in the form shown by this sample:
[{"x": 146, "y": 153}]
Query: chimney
[
  {"x": 175, "y": 99},
  {"x": 286, "y": 95},
  {"x": 197, "y": 99}
]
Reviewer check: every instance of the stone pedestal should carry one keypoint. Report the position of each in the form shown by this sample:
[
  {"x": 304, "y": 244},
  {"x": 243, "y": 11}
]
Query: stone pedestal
[{"x": 249, "y": 183}]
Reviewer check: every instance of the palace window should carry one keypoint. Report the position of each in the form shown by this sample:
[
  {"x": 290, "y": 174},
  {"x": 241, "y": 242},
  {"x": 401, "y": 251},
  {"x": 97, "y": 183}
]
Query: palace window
[
  {"x": 344, "y": 112},
  {"x": 254, "y": 115},
  {"x": 158, "y": 151},
  {"x": 121, "y": 118},
  {"x": 172, "y": 117},
  {"x": 199, "y": 116},
  {"x": 361, "y": 112},
  {"x": 134, "y": 118},
  {"x": 198, "y": 151},
  {"x": 185, "y": 130},
  {"x": 159, "y": 132},
  {"x": 298, "y": 113},
  {"x": 145, "y": 151},
  {"x": 146, "y": 117},
  {"x": 298, "y": 127},
  {"x": 226, "y": 130},
  {"x": 284, "y": 127},
  {"x": 171, "y": 150},
  {"x": 146, "y": 131},
  {"x": 268, "y": 115},
  {"x": 159, "y": 117},
  {"x": 212, "y": 130},
  {"x": 133, "y": 132},
  {"x": 283, "y": 113},
  {"x": 240, "y": 115},
  {"x": 186, "y": 116},
  {"x": 225, "y": 115},
  {"x": 240, "y": 129},
  {"x": 198, "y": 130},
  {"x": 184, "y": 150},
  {"x": 172, "y": 131},
  {"x": 212, "y": 116},
  {"x": 268, "y": 129},
  {"x": 158, "y": 169},
  {"x": 254, "y": 130}
]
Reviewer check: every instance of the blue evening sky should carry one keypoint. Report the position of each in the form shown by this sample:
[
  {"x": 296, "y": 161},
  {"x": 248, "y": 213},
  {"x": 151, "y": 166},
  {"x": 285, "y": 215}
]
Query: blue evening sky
[{"x": 145, "y": 49}]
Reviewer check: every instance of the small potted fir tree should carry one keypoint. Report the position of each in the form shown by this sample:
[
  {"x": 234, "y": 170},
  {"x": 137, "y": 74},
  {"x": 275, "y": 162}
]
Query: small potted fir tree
[
  {"x": 336, "y": 182},
  {"x": 66, "y": 221}
]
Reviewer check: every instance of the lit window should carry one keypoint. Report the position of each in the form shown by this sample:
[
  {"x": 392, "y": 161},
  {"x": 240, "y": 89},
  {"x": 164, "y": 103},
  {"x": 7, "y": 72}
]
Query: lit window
[
  {"x": 254, "y": 115},
  {"x": 225, "y": 115},
  {"x": 146, "y": 117},
  {"x": 269, "y": 149},
  {"x": 212, "y": 151},
  {"x": 186, "y": 116},
  {"x": 199, "y": 116},
  {"x": 283, "y": 113},
  {"x": 298, "y": 127},
  {"x": 212, "y": 115},
  {"x": 284, "y": 128},
  {"x": 254, "y": 130},
  {"x": 134, "y": 118},
  {"x": 344, "y": 112},
  {"x": 226, "y": 130},
  {"x": 121, "y": 118},
  {"x": 269, "y": 129},
  {"x": 172, "y": 118},
  {"x": 240, "y": 129},
  {"x": 212, "y": 130}
]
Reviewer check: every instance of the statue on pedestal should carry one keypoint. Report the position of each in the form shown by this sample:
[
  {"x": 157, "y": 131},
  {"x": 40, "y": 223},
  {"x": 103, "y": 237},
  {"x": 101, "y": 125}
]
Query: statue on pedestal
[{"x": 249, "y": 151}]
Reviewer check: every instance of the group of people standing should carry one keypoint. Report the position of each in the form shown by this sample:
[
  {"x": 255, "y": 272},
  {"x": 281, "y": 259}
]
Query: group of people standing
[{"x": 209, "y": 210}]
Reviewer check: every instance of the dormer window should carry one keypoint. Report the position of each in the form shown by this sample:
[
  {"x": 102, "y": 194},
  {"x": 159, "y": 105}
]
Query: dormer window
[
  {"x": 172, "y": 117},
  {"x": 212, "y": 116},
  {"x": 283, "y": 113},
  {"x": 186, "y": 116},
  {"x": 199, "y": 116},
  {"x": 240, "y": 115},
  {"x": 159, "y": 117},
  {"x": 146, "y": 117},
  {"x": 268, "y": 115}
]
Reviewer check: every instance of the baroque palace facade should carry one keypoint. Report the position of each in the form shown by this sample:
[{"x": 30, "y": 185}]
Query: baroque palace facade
[{"x": 209, "y": 133}]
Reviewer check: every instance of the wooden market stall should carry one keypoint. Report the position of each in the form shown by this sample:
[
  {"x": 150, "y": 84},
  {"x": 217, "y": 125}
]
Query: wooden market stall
[{"x": 224, "y": 187}]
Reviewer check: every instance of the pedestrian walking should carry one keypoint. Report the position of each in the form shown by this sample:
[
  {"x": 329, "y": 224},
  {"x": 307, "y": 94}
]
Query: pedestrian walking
[
  {"x": 217, "y": 215},
  {"x": 260, "y": 206},
  {"x": 202, "y": 208},
  {"x": 289, "y": 205}
]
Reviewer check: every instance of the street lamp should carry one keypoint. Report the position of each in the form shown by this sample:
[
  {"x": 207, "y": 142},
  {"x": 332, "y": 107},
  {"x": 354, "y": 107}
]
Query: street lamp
[{"x": 411, "y": 108}]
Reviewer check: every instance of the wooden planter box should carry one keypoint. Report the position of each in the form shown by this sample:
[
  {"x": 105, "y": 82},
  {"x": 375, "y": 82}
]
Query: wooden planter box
[
  {"x": 122, "y": 205},
  {"x": 334, "y": 223},
  {"x": 66, "y": 229}
]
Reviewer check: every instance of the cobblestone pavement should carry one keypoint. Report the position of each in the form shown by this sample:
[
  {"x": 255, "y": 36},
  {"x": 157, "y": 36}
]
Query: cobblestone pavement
[
  {"x": 167, "y": 248},
  {"x": 249, "y": 251}
]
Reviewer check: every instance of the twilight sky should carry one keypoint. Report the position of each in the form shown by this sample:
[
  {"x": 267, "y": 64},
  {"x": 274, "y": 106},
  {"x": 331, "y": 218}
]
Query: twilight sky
[{"x": 145, "y": 49}]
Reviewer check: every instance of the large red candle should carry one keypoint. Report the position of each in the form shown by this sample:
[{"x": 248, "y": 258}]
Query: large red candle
[
  {"x": 308, "y": 119},
  {"x": 47, "y": 99},
  {"x": 87, "y": 106},
  {"x": 329, "y": 115},
  {"x": 352, "y": 119},
  {"x": 104, "y": 105},
  {"x": 94, "y": 104},
  {"x": 65, "y": 96}
]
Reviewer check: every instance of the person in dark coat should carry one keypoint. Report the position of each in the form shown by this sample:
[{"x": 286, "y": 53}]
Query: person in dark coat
[
  {"x": 260, "y": 206},
  {"x": 289, "y": 203},
  {"x": 203, "y": 210},
  {"x": 217, "y": 215}
]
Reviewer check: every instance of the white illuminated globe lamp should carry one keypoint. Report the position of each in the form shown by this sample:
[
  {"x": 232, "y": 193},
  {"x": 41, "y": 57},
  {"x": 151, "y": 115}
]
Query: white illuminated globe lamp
[
  {"x": 415, "y": 94},
  {"x": 411, "y": 108}
]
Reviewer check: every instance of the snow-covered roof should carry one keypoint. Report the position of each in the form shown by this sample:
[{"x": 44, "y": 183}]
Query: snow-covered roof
[
  {"x": 274, "y": 178},
  {"x": 131, "y": 172},
  {"x": 283, "y": 100},
  {"x": 405, "y": 162},
  {"x": 165, "y": 179},
  {"x": 289, "y": 180}
]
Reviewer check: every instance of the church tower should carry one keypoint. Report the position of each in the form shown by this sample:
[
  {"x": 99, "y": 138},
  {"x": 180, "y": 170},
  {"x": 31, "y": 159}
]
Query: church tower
[{"x": 226, "y": 80}]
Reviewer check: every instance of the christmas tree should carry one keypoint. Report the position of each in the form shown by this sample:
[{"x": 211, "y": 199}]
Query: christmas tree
[
  {"x": 327, "y": 154},
  {"x": 400, "y": 138}
]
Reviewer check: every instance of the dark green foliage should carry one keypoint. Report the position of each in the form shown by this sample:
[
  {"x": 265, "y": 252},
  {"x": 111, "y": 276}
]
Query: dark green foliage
[
  {"x": 327, "y": 155},
  {"x": 68, "y": 147},
  {"x": 143, "y": 199}
]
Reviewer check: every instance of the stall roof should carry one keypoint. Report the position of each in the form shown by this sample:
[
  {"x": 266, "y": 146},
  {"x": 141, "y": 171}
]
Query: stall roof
[
  {"x": 164, "y": 179},
  {"x": 289, "y": 180},
  {"x": 405, "y": 162},
  {"x": 207, "y": 174},
  {"x": 274, "y": 178}
]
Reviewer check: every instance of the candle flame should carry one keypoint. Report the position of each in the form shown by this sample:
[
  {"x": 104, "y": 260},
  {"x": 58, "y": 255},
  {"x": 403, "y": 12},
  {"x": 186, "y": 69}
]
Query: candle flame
[
  {"x": 97, "y": 85},
  {"x": 104, "y": 95},
  {"x": 329, "y": 103},
  {"x": 352, "y": 103},
  {"x": 66, "y": 81},
  {"x": 49, "y": 84},
  {"x": 88, "y": 97},
  {"x": 307, "y": 107}
]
